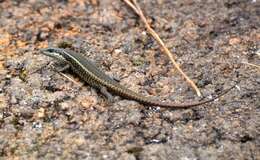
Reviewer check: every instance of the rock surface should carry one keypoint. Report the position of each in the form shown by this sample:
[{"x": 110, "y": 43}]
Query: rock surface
[{"x": 44, "y": 115}]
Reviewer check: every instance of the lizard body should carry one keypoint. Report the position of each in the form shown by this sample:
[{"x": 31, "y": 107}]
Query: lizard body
[{"x": 90, "y": 73}]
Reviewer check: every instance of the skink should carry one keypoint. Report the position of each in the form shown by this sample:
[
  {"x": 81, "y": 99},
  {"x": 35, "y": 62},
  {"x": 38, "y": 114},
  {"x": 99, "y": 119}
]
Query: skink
[{"x": 91, "y": 74}]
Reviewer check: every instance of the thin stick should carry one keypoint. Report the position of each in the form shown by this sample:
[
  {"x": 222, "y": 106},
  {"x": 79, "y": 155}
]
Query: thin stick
[
  {"x": 70, "y": 79},
  {"x": 251, "y": 64},
  {"x": 134, "y": 5}
]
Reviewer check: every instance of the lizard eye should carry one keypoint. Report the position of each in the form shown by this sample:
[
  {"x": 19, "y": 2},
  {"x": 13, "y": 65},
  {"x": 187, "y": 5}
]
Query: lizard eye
[{"x": 51, "y": 50}]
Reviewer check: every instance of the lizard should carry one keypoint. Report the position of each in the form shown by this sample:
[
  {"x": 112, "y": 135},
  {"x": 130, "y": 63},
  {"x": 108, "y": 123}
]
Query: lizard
[{"x": 92, "y": 75}]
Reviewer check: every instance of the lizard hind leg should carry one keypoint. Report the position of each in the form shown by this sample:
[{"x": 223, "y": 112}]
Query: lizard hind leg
[
  {"x": 116, "y": 78},
  {"x": 108, "y": 95}
]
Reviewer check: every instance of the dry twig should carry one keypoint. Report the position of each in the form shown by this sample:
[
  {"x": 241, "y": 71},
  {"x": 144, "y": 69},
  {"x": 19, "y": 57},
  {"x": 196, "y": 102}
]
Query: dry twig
[
  {"x": 70, "y": 79},
  {"x": 134, "y": 5},
  {"x": 251, "y": 64}
]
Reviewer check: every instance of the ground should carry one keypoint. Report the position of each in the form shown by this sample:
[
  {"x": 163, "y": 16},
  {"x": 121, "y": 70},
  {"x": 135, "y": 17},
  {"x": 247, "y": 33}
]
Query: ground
[{"x": 46, "y": 115}]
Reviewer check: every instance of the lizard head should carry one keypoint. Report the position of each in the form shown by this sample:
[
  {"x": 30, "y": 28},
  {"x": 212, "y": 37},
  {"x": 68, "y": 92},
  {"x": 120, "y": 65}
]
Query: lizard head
[{"x": 56, "y": 53}]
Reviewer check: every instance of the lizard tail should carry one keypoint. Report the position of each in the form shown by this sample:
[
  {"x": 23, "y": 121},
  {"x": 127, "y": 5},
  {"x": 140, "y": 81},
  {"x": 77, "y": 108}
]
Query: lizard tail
[{"x": 185, "y": 105}]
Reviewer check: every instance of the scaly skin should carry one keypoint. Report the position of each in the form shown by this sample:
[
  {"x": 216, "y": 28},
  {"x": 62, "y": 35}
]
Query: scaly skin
[{"x": 98, "y": 79}]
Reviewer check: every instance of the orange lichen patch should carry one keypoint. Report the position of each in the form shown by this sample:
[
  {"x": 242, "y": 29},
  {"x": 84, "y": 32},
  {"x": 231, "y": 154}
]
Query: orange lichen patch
[
  {"x": 81, "y": 3},
  {"x": 88, "y": 102},
  {"x": 5, "y": 48},
  {"x": 20, "y": 44},
  {"x": 1, "y": 67},
  {"x": 42, "y": 44},
  {"x": 74, "y": 30},
  {"x": 3, "y": 101},
  {"x": 258, "y": 36},
  {"x": 4, "y": 39},
  {"x": 94, "y": 2},
  {"x": 234, "y": 41},
  {"x": 40, "y": 113},
  {"x": 9, "y": 50}
]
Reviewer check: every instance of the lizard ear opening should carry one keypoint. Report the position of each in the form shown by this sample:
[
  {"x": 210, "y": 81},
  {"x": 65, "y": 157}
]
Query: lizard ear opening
[{"x": 50, "y": 50}]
